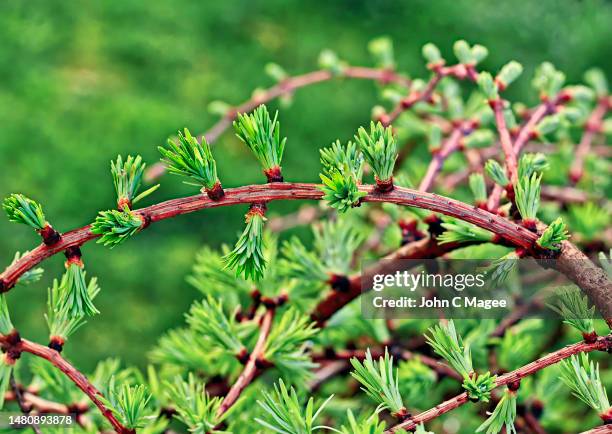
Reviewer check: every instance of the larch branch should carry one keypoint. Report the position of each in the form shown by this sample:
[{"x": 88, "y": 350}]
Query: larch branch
[
  {"x": 602, "y": 344},
  {"x": 250, "y": 369},
  {"x": 573, "y": 263},
  {"x": 78, "y": 378}
]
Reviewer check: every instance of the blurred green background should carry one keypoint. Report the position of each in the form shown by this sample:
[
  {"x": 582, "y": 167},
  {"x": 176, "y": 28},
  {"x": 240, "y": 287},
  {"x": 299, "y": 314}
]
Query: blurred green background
[{"x": 83, "y": 81}]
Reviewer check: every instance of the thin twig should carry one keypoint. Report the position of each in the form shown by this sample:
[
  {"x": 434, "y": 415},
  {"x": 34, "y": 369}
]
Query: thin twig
[
  {"x": 79, "y": 379},
  {"x": 525, "y": 133},
  {"x": 505, "y": 139},
  {"x": 250, "y": 369},
  {"x": 439, "y": 72},
  {"x": 591, "y": 129},
  {"x": 21, "y": 402},
  {"x": 602, "y": 344},
  {"x": 452, "y": 144},
  {"x": 288, "y": 87}
]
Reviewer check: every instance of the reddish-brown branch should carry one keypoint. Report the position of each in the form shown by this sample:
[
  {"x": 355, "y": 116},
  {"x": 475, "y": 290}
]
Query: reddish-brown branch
[
  {"x": 596, "y": 285},
  {"x": 525, "y": 133},
  {"x": 518, "y": 313},
  {"x": 566, "y": 195},
  {"x": 505, "y": 139},
  {"x": 41, "y": 405},
  {"x": 591, "y": 129},
  {"x": 434, "y": 364},
  {"x": 602, "y": 344},
  {"x": 450, "y": 145},
  {"x": 426, "y": 95},
  {"x": 250, "y": 369},
  {"x": 532, "y": 422},
  {"x": 336, "y": 300},
  {"x": 278, "y": 191},
  {"x": 24, "y": 406},
  {"x": 287, "y": 87},
  {"x": 604, "y": 429},
  {"x": 546, "y": 108},
  {"x": 72, "y": 373}
]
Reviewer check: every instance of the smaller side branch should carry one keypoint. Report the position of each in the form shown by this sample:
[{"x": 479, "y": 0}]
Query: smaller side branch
[
  {"x": 24, "y": 406},
  {"x": 591, "y": 129},
  {"x": 602, "y": 344},
  {"x": 546, "y": 108},
  {"x": 250, "y": 370},
  {"x": 439, "y": 157},
  {"x": 505, "y": 139},
  {"x": 425, "y": 248},
  {"x": 439, "y": 72},
  {"x": 41, "y": 405},
  {"x": 289, "y": 85},
  {"x": 78, "y": 378}
]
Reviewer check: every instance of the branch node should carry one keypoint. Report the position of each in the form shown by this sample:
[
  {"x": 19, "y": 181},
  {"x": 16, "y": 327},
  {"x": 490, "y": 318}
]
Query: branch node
[
  {"x": 269, "y": 302},
  {"x": 261, "y": 363},
  {"x": 339, "y": 283},
  {"x": 73, "y": 254},
  {"x": 12, "y": 346},
  {"x": 514, "y": 385},
  {"x": 146, "y": 220},
  {"x": 123, "y": 203},
  {"x": 216, "y": 192},
  {"x": 243, "y": 356},
  {"x": 56, "y": 343},
  {"x": 402, "y": 415},
  {"x": 434, "y": 225},
  {"x": 274, "y": 174},
  {"x": 49, "y": 235},
  {"x": 384, "y": 186}
]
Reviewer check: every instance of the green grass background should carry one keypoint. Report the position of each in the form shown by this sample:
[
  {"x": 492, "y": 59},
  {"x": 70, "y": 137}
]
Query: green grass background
[{"x": 83, "y": 81}]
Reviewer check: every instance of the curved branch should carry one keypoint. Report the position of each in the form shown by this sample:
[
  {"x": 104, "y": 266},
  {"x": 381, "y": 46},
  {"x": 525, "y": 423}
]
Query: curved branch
[
  {"x": 289, "y": 85},
  {"x": 575, "y": 264},
  {"x": 602, "y": 344},
  {"x": 78, "y": 378},
  {"x": 515, "y": 234}
]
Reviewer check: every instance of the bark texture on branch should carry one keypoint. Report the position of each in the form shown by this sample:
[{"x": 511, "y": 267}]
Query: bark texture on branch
[
  {"x": 509, "y": 231},
  {"x": 250, "y": 369},
  {"x": 423, "y": 249},
  {"x": 602, "y": 344},
  {"x": 78, "y": 378}
]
